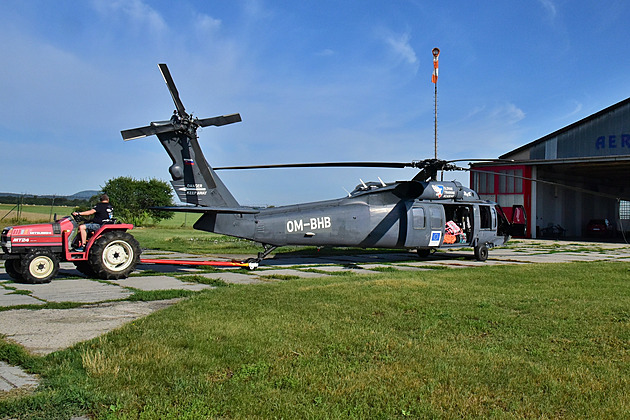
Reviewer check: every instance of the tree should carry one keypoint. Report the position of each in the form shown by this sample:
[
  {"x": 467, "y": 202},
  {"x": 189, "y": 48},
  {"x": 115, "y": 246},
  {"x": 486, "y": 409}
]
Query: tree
[{"x": 132, "y": 199}]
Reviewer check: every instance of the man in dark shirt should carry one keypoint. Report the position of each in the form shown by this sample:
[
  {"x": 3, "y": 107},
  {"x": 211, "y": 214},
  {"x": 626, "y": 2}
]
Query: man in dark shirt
[{"x": 103, "y": 213}]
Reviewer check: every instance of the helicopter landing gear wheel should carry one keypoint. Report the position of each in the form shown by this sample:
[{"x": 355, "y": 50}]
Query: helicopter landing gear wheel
[
  {"x": 39, "y": 267},
  {"x": 423, "y": 253},
  {"x": 481, "y": 253}
]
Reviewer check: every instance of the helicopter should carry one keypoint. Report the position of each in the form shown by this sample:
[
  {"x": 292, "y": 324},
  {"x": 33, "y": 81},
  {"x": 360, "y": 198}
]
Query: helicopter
[{"x": 421, "y": 214}]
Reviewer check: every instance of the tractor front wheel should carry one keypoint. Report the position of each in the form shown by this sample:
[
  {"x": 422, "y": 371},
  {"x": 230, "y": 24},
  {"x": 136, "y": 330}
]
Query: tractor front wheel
[
  {"x": 13, "y": 269},
  {"x": 39, "y": 266},
  {"x": 114, "y": 255}
]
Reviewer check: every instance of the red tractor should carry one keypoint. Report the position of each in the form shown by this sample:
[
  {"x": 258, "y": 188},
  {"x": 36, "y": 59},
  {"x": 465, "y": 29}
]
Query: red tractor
[{"x": 33, "y": 252}]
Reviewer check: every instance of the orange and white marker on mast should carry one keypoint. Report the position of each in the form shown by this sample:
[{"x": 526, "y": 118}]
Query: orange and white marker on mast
[{"x": 436, "y": 54}]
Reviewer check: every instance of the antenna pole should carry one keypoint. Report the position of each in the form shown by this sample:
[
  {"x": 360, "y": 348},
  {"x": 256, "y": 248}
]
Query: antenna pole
[
  {"x": 434, "y": 77},
  {"x": 435, "y": 122}
]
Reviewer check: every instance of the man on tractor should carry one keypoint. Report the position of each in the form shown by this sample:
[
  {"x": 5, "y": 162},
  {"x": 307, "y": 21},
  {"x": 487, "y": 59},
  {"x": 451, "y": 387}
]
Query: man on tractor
[{"x": 103, "y": 213}]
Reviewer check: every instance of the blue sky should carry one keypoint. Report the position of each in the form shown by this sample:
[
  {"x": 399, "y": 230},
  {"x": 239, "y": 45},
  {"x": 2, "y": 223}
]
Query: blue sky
[{"x": 313, "y": 81}]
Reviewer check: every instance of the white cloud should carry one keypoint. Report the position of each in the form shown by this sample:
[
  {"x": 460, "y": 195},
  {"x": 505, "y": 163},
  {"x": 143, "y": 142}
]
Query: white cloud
[
  {"x": 136, "y": 10},
  {"x": 550, "y": 7},
  {"x": 576, "y": 110},
  {"x": 401, "y": 47},
  {"x": 326, "y": 52},
  {"x": 508, "y": 113},
  {"x": 486, "y": 132},
  {"x": 255, "y": 10},
  {"x": 207, "y": 23}
]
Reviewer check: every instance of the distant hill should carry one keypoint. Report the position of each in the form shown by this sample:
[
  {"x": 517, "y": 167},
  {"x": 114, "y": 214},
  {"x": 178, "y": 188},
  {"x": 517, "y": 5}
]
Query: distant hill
[
  {"x": 83, "y": 195},
  {"x": 80, "y": 198}
]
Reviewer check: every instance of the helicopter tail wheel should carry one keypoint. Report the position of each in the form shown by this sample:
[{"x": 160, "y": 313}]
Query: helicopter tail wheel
[{"x": 481, "y": 252}]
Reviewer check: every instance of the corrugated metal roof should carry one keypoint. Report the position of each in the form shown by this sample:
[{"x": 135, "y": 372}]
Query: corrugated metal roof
[{"x": 539, "y": 149}]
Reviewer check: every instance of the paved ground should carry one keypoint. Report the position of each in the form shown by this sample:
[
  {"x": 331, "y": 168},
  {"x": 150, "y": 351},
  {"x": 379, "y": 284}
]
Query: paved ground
[{"x": 103, "y": 305}]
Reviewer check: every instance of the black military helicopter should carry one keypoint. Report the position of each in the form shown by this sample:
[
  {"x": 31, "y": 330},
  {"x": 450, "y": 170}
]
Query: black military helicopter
[{"x": 422, "y": 214}]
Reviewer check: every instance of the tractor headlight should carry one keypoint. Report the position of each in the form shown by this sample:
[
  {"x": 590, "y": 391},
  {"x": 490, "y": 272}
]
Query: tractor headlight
[{"x": 6, "y": 240}]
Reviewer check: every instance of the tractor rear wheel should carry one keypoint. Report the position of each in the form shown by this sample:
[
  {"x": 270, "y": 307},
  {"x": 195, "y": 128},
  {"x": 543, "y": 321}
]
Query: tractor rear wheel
[
  {"x": 12, "y": 267},
  {"x": 39, "y": 266},
  {"x": 114, "y": 255}
]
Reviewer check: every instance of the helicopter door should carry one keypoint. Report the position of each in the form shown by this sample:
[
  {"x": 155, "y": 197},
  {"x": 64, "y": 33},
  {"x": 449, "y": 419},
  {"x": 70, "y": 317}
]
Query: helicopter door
[
  {"x": 426, "y": 226},
  {"x": 418, "y": 230},
  {"x": 488, "y": 218},
  {"x": 519, "y": 221}
]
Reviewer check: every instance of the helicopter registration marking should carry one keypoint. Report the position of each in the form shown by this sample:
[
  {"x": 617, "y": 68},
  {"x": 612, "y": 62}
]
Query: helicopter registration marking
[{"x": 314, "y": 223}]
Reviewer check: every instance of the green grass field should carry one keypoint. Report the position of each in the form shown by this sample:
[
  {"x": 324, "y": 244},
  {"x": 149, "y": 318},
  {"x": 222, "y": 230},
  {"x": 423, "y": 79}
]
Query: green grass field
[
  {"x": 534, "y": 341},
  {"x": 31, "y": 214}
]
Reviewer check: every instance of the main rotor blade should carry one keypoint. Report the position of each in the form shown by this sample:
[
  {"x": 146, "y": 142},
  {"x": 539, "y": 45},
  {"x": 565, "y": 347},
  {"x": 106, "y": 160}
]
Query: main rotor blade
[
  {"x": 221, "y": 120},
  {"x": 480, "y": 160},
  {"x": 149, "y": 130},
  {"x": 324, "y": 165},
  {"x": 166, "y": 74}
]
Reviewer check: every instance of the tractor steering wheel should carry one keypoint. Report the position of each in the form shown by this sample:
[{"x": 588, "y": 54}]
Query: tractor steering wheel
[{"x": 77, "y": 217}]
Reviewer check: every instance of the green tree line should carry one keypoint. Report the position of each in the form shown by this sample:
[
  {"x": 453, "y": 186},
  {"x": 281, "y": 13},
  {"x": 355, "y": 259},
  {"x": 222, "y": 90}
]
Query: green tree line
[
  {"x": 42, "y": 200},
  {"x": 132, "y": 199}
]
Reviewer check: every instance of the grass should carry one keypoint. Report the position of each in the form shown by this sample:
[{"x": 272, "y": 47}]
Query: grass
[
  {"x": 192, "y": 241},
  {"x": 195, "y": 278},
  {"x": 535, "y": 341}
]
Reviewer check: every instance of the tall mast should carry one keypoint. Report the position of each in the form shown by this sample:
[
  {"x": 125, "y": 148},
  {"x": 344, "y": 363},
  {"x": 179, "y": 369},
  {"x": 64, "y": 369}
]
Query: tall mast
[{"x": 434, "y": 78}]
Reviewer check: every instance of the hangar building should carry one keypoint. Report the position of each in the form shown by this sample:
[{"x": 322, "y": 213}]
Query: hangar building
[{"x": 580, "y": 173}]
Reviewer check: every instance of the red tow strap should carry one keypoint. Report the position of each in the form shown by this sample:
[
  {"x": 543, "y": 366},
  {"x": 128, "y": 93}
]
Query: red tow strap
[{"x": 193, "y": 262}]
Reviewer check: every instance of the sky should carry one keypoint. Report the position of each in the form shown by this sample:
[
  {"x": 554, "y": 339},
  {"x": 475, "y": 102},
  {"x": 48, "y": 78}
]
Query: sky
[{"x": 314, "y": 81}]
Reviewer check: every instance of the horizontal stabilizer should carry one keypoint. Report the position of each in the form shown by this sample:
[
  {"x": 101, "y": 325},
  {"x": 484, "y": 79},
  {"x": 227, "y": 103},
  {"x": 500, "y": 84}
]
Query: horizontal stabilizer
[{"x": 203, "y": 209}]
